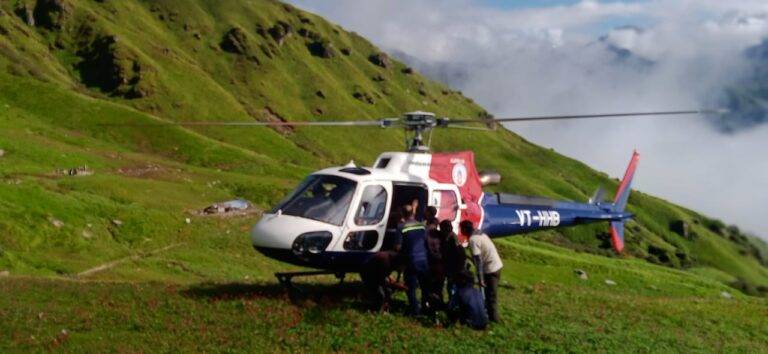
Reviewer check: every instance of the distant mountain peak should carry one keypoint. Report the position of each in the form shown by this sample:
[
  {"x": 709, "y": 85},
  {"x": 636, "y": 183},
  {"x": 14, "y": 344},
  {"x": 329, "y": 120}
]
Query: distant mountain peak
[{"x": 747, "y": 97}]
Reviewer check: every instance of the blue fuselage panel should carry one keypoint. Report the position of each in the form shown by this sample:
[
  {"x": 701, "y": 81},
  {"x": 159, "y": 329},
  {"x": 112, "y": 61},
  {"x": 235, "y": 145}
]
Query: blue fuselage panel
[{"x": 509, "y": 215}]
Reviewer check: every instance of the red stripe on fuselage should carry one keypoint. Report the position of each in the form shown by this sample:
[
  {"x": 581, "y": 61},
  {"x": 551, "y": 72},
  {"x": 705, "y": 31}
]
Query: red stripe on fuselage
[{"x": 627, "y": 176}]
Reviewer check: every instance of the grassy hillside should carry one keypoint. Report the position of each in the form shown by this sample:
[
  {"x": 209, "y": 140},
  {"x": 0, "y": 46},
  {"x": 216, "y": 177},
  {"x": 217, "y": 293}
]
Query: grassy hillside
[
  {"x": 544, "y": 305},
  {"x": 69, "y": 66}
]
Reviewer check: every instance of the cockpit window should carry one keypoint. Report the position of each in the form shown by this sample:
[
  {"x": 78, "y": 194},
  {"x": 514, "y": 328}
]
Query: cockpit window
[
  {"x": 373, "y": 204},
  {"x": 320, "y": 197}
]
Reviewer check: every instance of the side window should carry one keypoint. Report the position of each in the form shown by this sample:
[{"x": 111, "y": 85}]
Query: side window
[
  {"x": 447, "y": 204},
  {"x": 373, "y": 204}
]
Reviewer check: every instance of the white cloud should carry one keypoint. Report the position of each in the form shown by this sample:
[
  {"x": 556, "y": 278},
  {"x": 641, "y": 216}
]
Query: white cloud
[{"x": 548, "y": 61}]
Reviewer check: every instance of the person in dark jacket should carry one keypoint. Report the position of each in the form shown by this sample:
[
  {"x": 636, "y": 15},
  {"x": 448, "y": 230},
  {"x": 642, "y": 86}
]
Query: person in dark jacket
[
  {"x": 375, "y": 276},
  {"x": 436, "y": 265},
  {"x": 454, "y": 256},
  {"x": 430, "y": 218},
  {"x": 467, "y": 304},
  {"x": 415, "y": 254}
]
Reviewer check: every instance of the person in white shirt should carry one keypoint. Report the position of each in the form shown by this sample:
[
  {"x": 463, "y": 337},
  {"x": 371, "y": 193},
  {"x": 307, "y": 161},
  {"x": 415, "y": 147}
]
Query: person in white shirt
[{"x": 488, "y": 265}]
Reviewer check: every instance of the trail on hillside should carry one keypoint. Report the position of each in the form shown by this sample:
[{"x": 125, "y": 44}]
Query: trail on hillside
[{"x": 135, "y": 257}]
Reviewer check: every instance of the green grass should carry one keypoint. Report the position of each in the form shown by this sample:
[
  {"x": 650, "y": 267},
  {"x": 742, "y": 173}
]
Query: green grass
[
  {"x": 545, "y": 307},
  {"x": 153, "y": 178}
]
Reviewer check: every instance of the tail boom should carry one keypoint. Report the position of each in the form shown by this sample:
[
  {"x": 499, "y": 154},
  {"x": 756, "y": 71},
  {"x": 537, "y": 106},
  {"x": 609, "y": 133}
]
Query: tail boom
[{"x": 506, "y": 215}]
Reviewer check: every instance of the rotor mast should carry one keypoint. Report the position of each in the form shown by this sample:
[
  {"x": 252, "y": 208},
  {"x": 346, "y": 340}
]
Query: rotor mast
[{"x": 418, "y": 124}]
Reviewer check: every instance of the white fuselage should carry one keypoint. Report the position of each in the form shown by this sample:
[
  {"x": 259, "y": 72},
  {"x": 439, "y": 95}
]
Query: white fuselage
[{"x": 344, "y": 213}]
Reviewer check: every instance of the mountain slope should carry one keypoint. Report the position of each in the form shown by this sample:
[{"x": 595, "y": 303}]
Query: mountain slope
[
  {"x": 747, "y": 97},
  {"x": 121, "y": 260},
  {"x": 69, "y": 66}
]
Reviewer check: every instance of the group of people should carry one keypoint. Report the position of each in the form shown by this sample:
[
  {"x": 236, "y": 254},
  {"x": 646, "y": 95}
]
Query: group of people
[{"x": 431, "y": 259}]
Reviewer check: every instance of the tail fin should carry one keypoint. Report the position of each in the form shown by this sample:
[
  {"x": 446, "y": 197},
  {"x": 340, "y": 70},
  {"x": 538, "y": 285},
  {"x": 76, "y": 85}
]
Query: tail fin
[
  {"x": 617, "y": 235},
  {"x": 622, "y": 194},
  {"x": 620, "y": 203}
]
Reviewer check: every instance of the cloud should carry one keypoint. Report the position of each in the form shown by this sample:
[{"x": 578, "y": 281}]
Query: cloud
[{"x": 549, "y": 60}]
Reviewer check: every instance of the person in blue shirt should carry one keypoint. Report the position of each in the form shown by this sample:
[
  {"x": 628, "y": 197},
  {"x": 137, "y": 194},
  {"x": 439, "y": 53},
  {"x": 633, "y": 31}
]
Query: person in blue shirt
[
  {"x": 414, "y": 251},
  {"x": 466, "y": 303}
]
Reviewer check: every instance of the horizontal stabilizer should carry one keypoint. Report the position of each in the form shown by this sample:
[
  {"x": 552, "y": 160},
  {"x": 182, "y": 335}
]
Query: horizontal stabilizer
[{"x": 598, "y": 196}]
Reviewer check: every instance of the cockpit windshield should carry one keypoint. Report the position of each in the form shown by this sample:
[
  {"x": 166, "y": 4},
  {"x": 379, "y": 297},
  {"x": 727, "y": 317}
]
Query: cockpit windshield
[{"x": 320, "y": 197}]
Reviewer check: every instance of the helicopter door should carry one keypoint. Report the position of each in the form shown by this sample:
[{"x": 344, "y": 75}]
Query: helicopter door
[
  {"x": 448, "y": 205},
  {"x": 369, "y": 221}
]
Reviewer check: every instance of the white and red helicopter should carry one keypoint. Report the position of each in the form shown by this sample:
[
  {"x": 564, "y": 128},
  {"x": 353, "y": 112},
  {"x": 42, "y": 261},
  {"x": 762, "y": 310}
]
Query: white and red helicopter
[{"x": 338, "y": 217}]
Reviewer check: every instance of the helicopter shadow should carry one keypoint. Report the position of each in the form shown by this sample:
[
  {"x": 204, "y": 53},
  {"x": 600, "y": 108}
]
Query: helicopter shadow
[
  {"x": 314, "y": 299},
  {"x": 302, "y": 295}
]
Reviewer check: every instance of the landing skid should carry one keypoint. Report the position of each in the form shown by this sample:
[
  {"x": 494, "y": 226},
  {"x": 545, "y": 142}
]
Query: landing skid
[{"x": 286, "y": 278}]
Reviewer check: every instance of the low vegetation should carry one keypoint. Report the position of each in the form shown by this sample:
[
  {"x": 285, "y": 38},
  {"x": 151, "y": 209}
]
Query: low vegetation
[{"x": 129, "y": 235}]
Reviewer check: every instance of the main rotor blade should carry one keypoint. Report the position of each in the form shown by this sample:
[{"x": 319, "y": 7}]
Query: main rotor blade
[
  {"x": 584, "y": 116},
  {"x": 467, "y": 128},
  {"x": 358, "y": 123}
]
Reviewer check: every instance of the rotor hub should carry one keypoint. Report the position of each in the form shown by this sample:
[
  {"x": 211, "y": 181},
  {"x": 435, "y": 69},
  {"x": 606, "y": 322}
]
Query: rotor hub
[
  {"x": 419, "y": 120},
  {"x": 416, "y": 124}
]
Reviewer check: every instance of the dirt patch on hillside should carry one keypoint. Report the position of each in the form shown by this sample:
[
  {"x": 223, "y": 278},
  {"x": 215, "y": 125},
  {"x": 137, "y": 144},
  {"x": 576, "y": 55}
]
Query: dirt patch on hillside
[
  {"x": 142, "y": 171},
  {"x": 270, "y": 115}
]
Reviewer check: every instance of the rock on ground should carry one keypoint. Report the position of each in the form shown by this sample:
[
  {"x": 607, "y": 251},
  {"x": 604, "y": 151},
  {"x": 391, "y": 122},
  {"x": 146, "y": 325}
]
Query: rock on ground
[
  {"x": 322, "y": 48},
  {"x": 237, "y": 41},
  {"x": 380, "y": 59},
  {"x": 57, "y": 223},
  {"x": 52, "y": 14},
  {"x": 581, "y": 273}
]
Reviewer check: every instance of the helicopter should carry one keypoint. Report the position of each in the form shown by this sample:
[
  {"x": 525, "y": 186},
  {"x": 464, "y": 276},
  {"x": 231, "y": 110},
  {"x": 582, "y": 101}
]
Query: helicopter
[{"x": 339, "y": 217}]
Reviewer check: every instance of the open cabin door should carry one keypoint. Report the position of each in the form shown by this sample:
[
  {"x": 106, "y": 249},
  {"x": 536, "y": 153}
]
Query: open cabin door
[
  {"x": 402, "y": 194},
  {"x": 447, "y": 199},
  {"x": 368, "y": 221}
]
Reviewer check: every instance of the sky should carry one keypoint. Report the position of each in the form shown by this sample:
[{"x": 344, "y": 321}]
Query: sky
[
  {"x": 527, "y": 4},
  {"x": 545, "y": 57}
]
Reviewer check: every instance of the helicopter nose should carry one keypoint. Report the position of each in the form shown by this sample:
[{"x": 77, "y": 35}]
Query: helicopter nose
[
  {"x": 270, "y": 232},
  {"x": 280, "y": 231}
]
